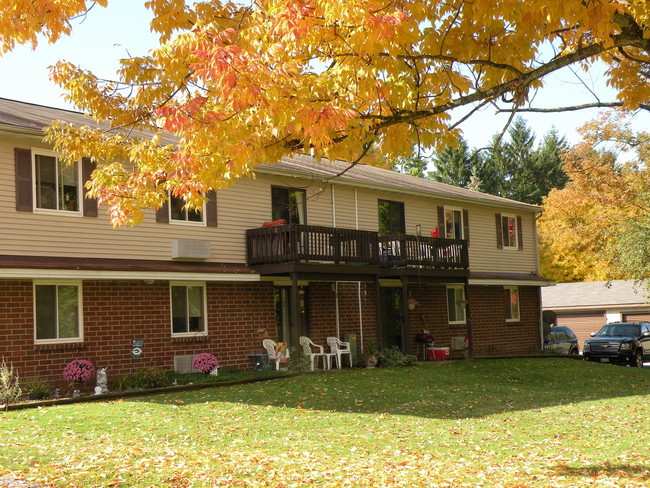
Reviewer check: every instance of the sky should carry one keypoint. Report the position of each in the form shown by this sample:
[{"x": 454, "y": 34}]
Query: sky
[{"x": 122, "y": 29}]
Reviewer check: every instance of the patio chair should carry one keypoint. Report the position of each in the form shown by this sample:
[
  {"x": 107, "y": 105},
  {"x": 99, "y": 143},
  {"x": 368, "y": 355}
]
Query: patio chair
[
  {"x": 278, "y": 352},
  {"x": 308, "y": 350},
  {"x": 339, "y": 348}
]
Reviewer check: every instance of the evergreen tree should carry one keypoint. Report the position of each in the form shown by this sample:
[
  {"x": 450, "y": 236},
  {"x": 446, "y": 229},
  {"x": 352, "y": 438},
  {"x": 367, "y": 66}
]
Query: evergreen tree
[
  {"x": 516, "y": 169},
  {"x": 455, "y": 165}
]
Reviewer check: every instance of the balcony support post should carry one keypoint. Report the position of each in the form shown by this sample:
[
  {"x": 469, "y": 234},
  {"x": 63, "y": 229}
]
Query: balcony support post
[
  {"x": 406, "y": 323},
  {"x": 468, "y": 319},
  {"x": 295, "y": 323}
]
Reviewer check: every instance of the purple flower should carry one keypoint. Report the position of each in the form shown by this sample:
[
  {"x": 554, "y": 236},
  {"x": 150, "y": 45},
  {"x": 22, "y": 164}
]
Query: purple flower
[
  {"x": 204, "y": 362},
  {"x": 78, "y": 370}
]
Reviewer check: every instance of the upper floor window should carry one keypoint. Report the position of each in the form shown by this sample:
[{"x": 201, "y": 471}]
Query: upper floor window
[
  {"x": 456, "y": 304},
  {"x": 56, "y": 184},
  {"x": 509, "y": 232},
  {"x": 57, "y": 312},
  {"x": 188, "y": 309},
  {"x": 391, "y": 218},
  {"x": 512, "y": 303},
  {"x": 178, "y": 212},
  {"x": 289, "y": 204},
  {"x": 453, "y": 223}
]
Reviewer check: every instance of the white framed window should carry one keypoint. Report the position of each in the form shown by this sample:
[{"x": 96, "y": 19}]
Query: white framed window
[
  {"x": 453, "y": 223},
  {"x": 56, "y": 184},
  {"x": 57, "y": 312},
  {"x": 456, "y": 304},
  {"x": 512, "y": 303},
  {"x": 188, "y": 308},
  {"x": 178, "y": 212},
  {"x": 509, "y": 231}
]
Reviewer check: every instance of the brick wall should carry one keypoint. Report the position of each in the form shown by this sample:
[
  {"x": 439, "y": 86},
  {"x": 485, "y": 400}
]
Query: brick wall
[
  {"x": 493, "y": 336},
  {"x": 322, "y": 317},
  {"x": 115, "y": 312}
]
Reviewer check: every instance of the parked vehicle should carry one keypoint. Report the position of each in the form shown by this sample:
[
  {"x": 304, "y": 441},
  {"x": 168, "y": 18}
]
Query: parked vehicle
[
  {"x": 620, "y": 343},
  {"x": 562, "y": 340}
]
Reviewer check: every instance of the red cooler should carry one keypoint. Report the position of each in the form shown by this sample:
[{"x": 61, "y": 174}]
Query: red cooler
[{"x": 440, "y": 353}]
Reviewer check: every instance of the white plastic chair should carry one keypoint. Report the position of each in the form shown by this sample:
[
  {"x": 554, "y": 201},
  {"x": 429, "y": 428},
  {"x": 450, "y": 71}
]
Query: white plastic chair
[
  {"x": 307, "y": 350},
  {"x": 275, "y": 354},
  {"x": 339, "y": 348}
]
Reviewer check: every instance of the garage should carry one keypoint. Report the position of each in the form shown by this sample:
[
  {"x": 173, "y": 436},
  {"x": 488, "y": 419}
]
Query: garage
[
  {"x": 582, "y": 323},
  {"x": 636, "y": 317}
]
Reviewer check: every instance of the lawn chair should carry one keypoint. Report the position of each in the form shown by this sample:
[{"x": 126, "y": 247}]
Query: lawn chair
[
  {"x": 339, "y": 348},
  {"x": 278, "y": 352},
  {"x": 307, "y": 350}
]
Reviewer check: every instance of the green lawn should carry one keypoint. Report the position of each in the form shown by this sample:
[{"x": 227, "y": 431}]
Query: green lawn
[{"x": 494, "y": 423}]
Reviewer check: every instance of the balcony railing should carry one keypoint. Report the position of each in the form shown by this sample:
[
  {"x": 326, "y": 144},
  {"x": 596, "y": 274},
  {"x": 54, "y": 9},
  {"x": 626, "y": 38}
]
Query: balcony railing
[
  {"x": 308, "y": 243},
  {"x": 427, "y": 252},
  {"x": 293, "y": 243}
]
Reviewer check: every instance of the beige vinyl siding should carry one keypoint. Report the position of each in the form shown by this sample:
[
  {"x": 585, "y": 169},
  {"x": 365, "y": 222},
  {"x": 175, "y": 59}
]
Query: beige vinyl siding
[
  {"x": 245, "y": 205},
  {"x": 344, "y": 206},
  {"x": 484, "y": 256}
]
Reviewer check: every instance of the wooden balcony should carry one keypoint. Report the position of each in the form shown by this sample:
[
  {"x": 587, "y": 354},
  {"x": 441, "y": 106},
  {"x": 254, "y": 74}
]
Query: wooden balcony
[
  {"x": 291, "y": 243},
  {"x": 404, "y": 251},
  {"x": 298, "y": 248}
]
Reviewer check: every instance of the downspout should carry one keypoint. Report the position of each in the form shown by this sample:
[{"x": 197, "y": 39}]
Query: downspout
[
  {"x": 336, "y": 283},
  {"x": 539, "y": 288},
  {"x": 356, "y": 225}
]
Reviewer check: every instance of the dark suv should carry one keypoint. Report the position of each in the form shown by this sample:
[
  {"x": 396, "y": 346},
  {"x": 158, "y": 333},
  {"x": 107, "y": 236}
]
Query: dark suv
[
  {"x": 620, "y": 343},
  {"x": 562, "y": 340}
]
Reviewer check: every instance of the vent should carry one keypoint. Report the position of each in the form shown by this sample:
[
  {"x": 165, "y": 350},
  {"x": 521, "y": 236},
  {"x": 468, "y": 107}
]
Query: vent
[
  {"x": 190, "y": 249},
  {"x": 457, "y": 343},
  {"x": 183, "y": 364}
]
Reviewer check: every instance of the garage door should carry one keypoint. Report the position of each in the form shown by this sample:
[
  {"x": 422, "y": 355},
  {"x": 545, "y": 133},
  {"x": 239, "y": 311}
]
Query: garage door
[
  {"x": 582, "y": 324},
  {"x": 636, "y": 317}
]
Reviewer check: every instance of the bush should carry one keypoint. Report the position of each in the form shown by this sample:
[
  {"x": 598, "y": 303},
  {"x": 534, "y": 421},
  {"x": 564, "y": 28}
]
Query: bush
[
  {"x": 298, "y": 361},
  {"x": 10, "y": 390},
  {"x": 37, "y": 388},
  {"x": 393, "y": 356},
  {"x": 150, "y": 377}
]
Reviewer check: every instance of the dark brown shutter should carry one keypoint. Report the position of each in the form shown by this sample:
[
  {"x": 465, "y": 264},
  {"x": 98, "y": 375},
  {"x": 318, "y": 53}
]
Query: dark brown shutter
[
  {"x": 89, "y": 204},
  {"x": 499, "y": 232},
  {"x": 162, "y": 214},
  {"x": 466, "y": 225},
  {"x": 24, "y": 188},
  {"x": 441, "y": 222},
  {"x": 520, "y": 234},
  {"x": 211, "y": 209}
]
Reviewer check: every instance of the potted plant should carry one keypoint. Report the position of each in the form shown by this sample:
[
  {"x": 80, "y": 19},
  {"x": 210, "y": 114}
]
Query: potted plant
[
  {"x": 371, "y": 355},
  {"x": 77, "y": 372},
  {"x": 206, "y": 363},
  {"x": 413, "y": 303}
]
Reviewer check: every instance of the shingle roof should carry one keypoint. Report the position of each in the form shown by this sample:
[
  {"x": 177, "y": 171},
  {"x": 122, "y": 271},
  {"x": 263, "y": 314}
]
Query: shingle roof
[
  {"x": 371, "y": 176},
  {"x": 30, "y": 117},
  {"x": 593, "y": 294}
]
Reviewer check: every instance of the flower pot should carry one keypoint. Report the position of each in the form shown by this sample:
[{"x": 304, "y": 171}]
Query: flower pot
[{"x": 371, "y": 362}]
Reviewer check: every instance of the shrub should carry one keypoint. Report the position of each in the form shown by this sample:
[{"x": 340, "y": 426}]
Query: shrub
[
  {"x": 78, "y": 370},
  {"x": 10, "y": 389},
  {"x": 150, "y": 377},
  {"x": 205, "y": 362},
  {"x": 393, "y": 356},
  {"x": 298, "y": 361},
  {"x": 37, "y": 388}
]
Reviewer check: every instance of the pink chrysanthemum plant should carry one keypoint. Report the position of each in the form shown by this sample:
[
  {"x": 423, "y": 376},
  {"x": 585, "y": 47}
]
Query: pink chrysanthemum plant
[
  {"x": 205, "y": 363},
  {"x": 78, "y": 370}
]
